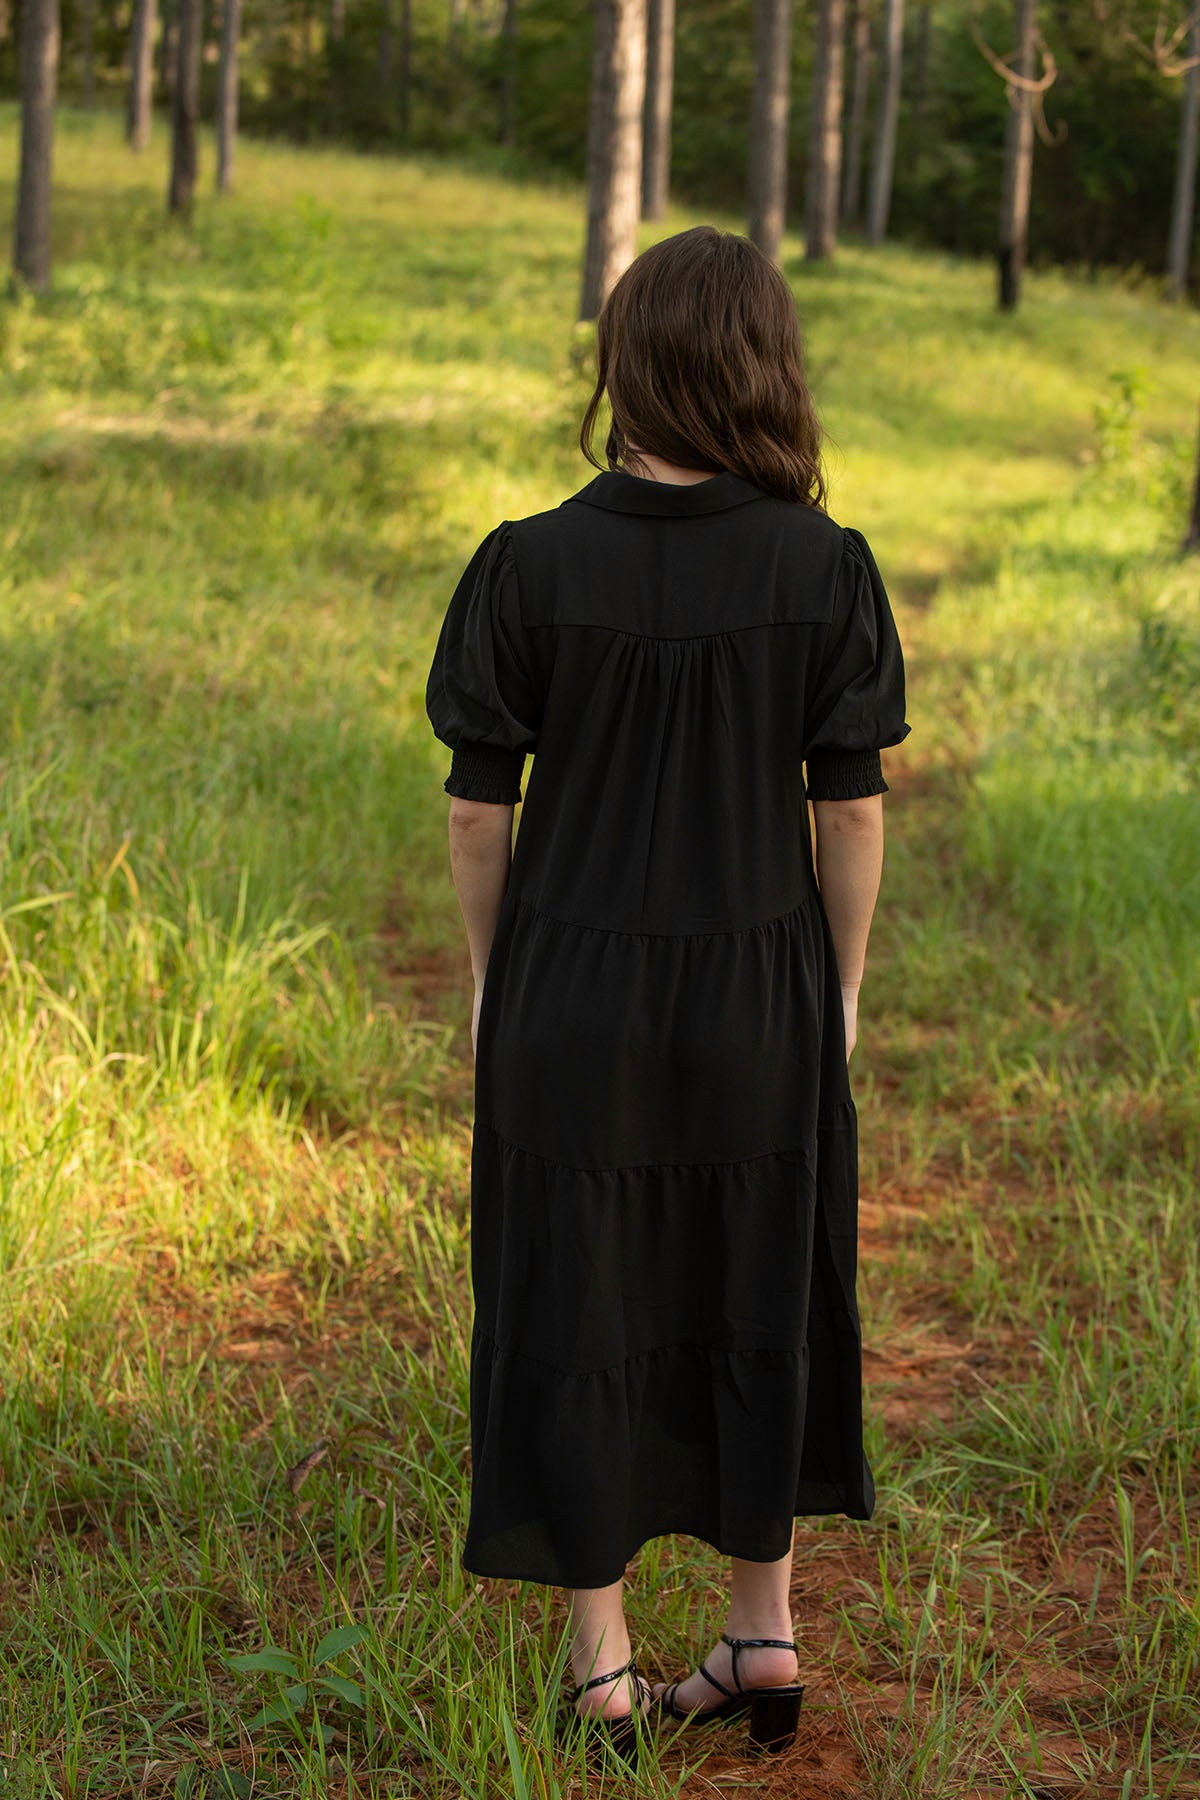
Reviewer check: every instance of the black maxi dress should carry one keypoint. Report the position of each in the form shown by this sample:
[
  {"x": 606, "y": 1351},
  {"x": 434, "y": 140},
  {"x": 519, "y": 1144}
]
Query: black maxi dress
[{"x": 664, "y": 1163}]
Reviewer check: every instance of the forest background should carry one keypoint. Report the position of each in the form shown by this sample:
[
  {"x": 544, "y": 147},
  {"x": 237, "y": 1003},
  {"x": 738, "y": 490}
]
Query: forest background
[{"x": 445, "y": 75}]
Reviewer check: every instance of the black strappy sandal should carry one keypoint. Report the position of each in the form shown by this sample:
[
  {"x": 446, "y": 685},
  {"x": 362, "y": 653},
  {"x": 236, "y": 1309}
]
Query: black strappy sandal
[
  {"x": 774, "y": 1711},
  {"x": 618, "y": 1735}
]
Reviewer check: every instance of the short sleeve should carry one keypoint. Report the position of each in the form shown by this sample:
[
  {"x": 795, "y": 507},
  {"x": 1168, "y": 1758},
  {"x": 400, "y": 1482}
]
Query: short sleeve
[
  {"x": 480, "y": 697},
  {"x": 856, "y": 705}
]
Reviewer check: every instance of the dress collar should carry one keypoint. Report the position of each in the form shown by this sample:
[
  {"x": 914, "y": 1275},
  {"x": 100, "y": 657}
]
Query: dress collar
[{"x": 619, "y": 491}]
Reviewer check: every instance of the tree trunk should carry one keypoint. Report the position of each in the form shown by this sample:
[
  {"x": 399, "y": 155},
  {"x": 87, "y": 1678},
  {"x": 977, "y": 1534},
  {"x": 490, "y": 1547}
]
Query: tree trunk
[
  {"x": 508, "y": 74},
  {"x": 1183, "y": 201},
  {"x": 883, "y": 159},
  {"x": 1192, "y": 540},
  {"x": 769, "y": 124},
  {"x": 614, "y": 151},
  {"x": 40, "y": 39},
  {"x": 453, "y": 28},
  {"x": 227, "y": 93},
  {"x": 825, "y": 134},
  {"x": 87, "y": 50},
  {"x": 656, "y": 121},
  {"x": 337, "y": 21},
  {"x": 185, "y": 109},
  {"x": 1018, "y": 165},
  {"x": 141, "y": 74},
  {"x": 859, "y": 90}
]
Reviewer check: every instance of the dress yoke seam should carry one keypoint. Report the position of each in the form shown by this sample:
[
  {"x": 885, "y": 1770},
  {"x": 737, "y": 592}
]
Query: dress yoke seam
[{"x": 807, "y": 900}]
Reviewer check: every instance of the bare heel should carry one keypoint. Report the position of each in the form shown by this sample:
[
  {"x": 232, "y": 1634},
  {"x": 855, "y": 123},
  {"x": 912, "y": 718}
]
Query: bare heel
[{"x": 774, "y": 1716}]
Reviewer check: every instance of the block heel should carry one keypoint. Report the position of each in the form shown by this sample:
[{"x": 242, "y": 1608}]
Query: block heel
[
  {"x": 774, "y": 1711},
  {"x": 774, "y": 1716}
]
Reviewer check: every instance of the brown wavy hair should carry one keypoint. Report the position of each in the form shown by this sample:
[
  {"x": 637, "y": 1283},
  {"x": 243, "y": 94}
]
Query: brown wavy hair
[{"x": 698, "y": 346}]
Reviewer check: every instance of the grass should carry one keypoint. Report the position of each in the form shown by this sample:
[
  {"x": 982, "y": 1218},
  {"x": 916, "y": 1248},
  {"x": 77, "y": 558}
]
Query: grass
[{"x": 240, "y": 468}]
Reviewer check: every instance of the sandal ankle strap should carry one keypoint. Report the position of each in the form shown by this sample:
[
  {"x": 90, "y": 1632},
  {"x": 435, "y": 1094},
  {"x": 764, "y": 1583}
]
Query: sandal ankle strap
[
  {"x": 629, "y": 1668},
  {"x": 736, "y": 1644},
  {"x": 760, "y": 1643}
]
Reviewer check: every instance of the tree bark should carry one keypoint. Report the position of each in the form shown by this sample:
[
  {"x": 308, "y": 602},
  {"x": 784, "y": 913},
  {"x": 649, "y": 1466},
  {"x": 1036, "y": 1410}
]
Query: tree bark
[
  {"x": 141, "y": 74},
  {"x": 227, "y": 93},
  {"x": 859, "y": 90},
  {"x": 40, "y": 43},
  {"x": 614, "y": 153},
  {"x": 883, "y": 159},
  {"x": 337, "y": 21},
  {"x": 769, "y": 124},
  {"x": 656, "y": 122},
  {"x": 185, "y": 109},
  {"x": 508, "y": 74},
  {"x": 825, "y": 134},
  {"x": 1183, "y": 200},
  {"x": 1018, "y": 165}
]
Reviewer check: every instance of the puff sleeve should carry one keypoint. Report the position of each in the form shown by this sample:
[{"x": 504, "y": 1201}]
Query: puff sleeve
[
  {"x": 856, "y": 706},
  {"x": 481, "y": 697}
]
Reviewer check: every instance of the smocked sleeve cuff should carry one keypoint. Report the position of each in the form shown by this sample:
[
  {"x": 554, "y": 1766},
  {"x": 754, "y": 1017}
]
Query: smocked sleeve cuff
[
  {"x": 845, "y": 775},
  {"x": 486, "y": 772}
]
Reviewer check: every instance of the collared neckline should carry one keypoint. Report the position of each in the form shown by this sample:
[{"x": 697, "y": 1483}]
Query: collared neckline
[{"x": 620, "y": 491}]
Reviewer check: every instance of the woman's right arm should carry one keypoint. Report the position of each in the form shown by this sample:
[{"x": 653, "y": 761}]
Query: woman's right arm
[{"x": 849, "y": 847}]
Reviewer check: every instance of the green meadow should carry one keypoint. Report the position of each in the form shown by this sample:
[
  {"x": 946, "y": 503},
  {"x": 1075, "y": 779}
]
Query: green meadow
[{"x": 241, "y": 467}]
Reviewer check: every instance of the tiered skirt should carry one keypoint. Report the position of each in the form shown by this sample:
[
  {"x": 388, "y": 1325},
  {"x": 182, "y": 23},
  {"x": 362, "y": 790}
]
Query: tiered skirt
[{"x": 664, "y": 1241}]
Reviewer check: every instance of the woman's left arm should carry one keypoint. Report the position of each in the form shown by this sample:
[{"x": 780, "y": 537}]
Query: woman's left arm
[{"x": 480, "y": 859}]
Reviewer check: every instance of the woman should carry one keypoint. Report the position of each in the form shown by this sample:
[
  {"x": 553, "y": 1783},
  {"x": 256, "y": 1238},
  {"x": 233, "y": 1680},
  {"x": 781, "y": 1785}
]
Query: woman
[{"x": 664, "y": 1163}]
